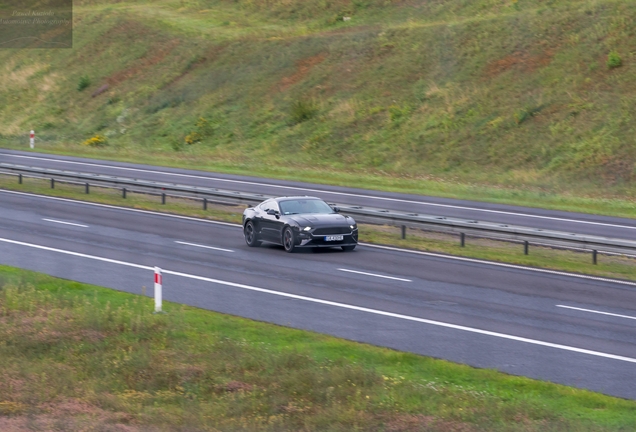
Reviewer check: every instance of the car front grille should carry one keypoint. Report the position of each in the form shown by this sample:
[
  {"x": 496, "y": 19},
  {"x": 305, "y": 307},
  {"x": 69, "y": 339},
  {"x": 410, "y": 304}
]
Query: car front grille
[{"x": 333, "y": 230}]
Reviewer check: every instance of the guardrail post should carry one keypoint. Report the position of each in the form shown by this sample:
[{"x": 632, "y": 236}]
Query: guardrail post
[
  {"x": 163, "y": 198},
  {"x": 20, "y": 178},
  {"x": 205, "y": 203},
  {"x": 52, "y": 183},
  {"x": 403, "y": 232},
  {"x": 594, "y": 253},
  {"x": 87, "y": 188},
  {"x": 123, "y": 193},
  {"x": 158, "y": 289},
  {"x": 525, "y": 247},
  {"x": 462, "y": 239}
]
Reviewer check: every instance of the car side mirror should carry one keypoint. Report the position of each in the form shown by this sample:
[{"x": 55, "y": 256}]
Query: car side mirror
[
  {"x": 273, "y": 212},
  {"x": 336, "y": 209}
]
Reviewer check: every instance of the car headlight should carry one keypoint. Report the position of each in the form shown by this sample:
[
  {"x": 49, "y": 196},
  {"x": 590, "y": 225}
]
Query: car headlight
[
  {"x": 307, "y": 229},
  {"x": 354, "y": 226}
]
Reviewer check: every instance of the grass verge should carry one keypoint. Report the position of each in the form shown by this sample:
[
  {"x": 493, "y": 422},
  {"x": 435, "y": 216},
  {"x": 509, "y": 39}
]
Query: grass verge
[
  {"x": 80, "y": 357},
  {"x": 611, "y": 266}
]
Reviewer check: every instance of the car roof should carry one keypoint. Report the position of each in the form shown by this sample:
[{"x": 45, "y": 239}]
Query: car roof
[{"x": 285, "y": 198}]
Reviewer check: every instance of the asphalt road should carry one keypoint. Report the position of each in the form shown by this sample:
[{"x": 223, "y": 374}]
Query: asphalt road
[
  {"x": 571, "y": 330},
  {"x": 511, "y": 215}
]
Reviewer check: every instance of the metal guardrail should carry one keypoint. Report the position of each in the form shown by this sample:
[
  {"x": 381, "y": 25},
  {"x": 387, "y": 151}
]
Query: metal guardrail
[{"x": 462, "y": 227}]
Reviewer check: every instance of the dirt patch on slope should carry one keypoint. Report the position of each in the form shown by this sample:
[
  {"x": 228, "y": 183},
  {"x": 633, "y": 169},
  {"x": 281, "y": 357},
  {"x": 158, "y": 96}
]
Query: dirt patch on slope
[
  {"x": 303, "y": 67},
  {"x": 142, "y": 64},
  {"x": 520, "y": 60}
]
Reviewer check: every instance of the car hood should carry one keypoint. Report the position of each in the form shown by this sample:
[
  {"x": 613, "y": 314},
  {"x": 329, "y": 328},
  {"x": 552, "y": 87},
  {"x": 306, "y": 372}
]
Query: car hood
[{"x": 318, "y": 220}]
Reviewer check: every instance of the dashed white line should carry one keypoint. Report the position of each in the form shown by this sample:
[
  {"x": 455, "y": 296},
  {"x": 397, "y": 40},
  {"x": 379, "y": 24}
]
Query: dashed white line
[
  {"x": 65, "y": 223},
  {"x": 339, "y": 305},
  {"x": 204, "y": 246},
  {"x": 375, "y": 275},
  {"x": 148, "y": 212},
  {"x": 597, "y": 312},
  {"x": 498, "y": 264},
  {"x": 330, "y": 192}
]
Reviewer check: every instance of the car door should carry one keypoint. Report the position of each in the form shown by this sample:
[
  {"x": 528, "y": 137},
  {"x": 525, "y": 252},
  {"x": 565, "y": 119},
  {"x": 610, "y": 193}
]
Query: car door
[{"x": 270, "y": 222}]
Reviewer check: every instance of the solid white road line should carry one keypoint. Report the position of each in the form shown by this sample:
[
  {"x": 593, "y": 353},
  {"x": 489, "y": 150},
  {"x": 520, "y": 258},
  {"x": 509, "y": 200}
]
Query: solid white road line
[
  {"x": 77, "y": 254},
  {"x": 64, "y": 223},
  {"x": 329, "y": 192},
  {"x": 339, "y": 305},
  {"x": 203, "y": 246},
  {"x": 375, "y": 275},
  {"x": 432, "y": 254},
  {"x": 596, "y": 312}
]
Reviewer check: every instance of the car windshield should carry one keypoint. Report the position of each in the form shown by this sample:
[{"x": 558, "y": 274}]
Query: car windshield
[{"x": 301, "y": 206}]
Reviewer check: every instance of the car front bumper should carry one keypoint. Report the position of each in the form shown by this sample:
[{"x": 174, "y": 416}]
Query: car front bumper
[{"x": 310, "y": 240}]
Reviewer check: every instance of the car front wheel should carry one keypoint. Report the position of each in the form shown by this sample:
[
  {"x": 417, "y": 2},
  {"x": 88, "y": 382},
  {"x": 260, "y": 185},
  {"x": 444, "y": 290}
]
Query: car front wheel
[
  {"x": 251, "y": 238},
  {"x": 289, "y": 240}
]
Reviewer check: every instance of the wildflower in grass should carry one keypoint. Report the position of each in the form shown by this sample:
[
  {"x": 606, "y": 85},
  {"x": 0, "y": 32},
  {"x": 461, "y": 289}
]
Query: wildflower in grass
[
  {"x": 96, "y": 141},
  {"x": 193, "y": 137}
]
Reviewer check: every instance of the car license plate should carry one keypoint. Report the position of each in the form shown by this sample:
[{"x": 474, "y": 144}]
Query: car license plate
[{"x": 334, "y": 238}]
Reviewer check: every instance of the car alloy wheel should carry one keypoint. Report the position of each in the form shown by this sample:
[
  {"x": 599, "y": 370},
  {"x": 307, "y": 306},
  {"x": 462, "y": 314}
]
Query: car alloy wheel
[
  {"x": 289, "y": 240},
  {"x": 251, "y": 238}
]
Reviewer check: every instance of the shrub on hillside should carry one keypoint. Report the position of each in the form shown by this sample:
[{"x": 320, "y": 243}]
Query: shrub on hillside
[
  {"x": 398, "y": 114},
  {"x": 84, "y": 82},
  {"x": 302, "y": 110},
  {"x": 614, "y": 60},
  {"x": 204, "y": 127}
]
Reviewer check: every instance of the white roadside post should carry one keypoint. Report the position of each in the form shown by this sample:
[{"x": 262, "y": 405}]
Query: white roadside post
[
  {"x": 32, "y": 139},
  {"x": 158, "y": 287}
]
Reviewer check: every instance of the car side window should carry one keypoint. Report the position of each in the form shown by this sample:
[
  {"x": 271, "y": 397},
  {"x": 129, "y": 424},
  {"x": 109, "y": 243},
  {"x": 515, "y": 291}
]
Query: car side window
[{"x": 269, "y": 205}]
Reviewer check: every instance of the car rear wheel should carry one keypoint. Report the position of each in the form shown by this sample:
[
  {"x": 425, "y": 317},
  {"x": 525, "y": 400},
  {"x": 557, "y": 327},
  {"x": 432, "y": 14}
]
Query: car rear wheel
[
  {"x": 251, "y": 238},
  {"x": 348, "y": 248},
  {"x": 289, "y": 240}
]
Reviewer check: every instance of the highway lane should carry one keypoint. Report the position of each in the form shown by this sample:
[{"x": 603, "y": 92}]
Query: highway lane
[
  {"x": 480, "y": 314},
  {"x": 511, "y": 215}
]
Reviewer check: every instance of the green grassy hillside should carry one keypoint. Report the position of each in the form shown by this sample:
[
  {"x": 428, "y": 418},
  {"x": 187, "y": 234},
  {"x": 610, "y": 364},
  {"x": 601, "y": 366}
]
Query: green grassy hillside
[{"x": 528, "y": 94}]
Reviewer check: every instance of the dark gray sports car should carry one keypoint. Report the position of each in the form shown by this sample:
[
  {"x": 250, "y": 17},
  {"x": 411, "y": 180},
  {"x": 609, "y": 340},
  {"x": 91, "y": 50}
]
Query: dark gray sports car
[{"x": 299, "y": 221}]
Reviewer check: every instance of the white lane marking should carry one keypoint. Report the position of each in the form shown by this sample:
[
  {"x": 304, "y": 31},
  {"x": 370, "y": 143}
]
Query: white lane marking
[
  {"x": 497, "y": 264},
  {"x": 409, "y": 251},
  {"x": 376, "y": 275},
  {"x": 596, "y": 312},
  {"x": 331, "y": 192},
  {"x": 121, "y": 208},
  {"x": 77, "y": 254},
  {"x": 203, "y": 246},
  {"x": 336, "y": 304},
  {"x": 65, "y": 223}
]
